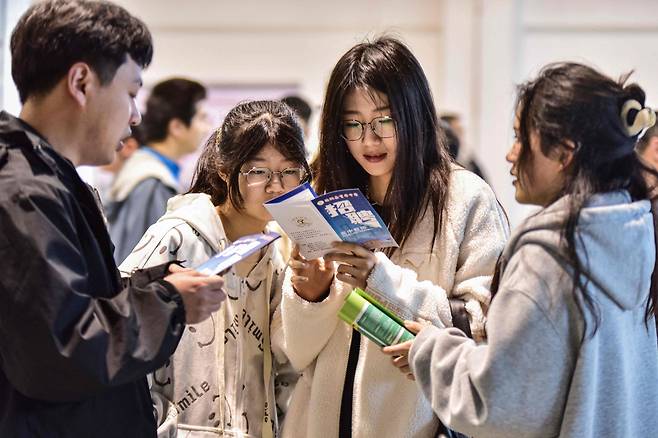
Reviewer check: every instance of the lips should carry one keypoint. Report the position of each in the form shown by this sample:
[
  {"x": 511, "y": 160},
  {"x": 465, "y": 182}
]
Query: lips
[{"x": 375, "y": 158}]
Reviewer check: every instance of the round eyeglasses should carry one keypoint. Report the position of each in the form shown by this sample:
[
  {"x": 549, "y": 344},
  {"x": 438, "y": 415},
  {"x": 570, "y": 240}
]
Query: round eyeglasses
[
  {"x": 290, "y": 177},
  {"x": 383, "y": 127}
]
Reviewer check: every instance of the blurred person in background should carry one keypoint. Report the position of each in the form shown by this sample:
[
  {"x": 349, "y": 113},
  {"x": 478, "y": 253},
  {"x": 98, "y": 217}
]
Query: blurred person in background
[
  {"x": 175, "y": 124},
  {"x": 303, "y": 110},
  {"x": 454, "y": 131}
]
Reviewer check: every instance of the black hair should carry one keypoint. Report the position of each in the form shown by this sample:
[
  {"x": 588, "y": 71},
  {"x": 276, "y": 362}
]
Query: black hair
[
  {"x": 573, "y": 106},
  {"x": 246, "y": 129},
  {"x": 174, "y": 98},
  {"x": 422, "y": 167},
  {"x": 51, "y": 36},
  {"x": 299, "y": 106}
]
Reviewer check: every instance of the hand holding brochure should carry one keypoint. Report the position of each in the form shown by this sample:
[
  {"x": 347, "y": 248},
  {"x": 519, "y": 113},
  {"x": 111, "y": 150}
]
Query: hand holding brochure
[
  {"x": 237, "y": 251},
  {"x": 373, "y": 320},
  {"x": 313, "y": 221}
]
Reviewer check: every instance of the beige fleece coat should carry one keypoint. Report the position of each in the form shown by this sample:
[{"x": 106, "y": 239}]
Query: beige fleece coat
[{"x": 385, "y": 403}]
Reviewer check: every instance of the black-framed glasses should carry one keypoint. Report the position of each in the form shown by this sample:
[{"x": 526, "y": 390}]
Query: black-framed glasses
[
  {"x": 383, "y": 127},
  {"x": 289, "y": 177}
]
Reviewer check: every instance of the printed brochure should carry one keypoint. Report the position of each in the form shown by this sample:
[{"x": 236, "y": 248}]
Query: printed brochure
[
  {"x": 237, "y": 251},
  {"x": 313, "y": 221}
]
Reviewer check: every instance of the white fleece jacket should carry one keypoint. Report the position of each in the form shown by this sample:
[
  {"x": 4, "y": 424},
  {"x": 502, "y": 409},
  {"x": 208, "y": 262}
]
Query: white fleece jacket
[
  {"x": 385, "y": 403},
  {"x": 214, "y": 384}
]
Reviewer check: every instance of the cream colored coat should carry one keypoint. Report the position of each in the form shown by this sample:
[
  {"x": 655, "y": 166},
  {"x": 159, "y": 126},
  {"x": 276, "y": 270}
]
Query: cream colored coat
[{"x": 385, "y": 403}]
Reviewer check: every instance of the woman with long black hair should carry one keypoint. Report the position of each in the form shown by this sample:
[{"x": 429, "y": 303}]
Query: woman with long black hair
[{"x": 379, "y": 132}]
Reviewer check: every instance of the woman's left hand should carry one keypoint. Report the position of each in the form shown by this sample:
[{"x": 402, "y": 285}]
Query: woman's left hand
[
  {"x": 400, "y": 352},
  {"x": 355, "y": 263}
]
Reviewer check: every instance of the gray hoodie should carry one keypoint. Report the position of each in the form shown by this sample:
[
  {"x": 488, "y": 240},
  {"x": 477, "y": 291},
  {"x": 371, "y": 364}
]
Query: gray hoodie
[{"x": 533, "y": 377}]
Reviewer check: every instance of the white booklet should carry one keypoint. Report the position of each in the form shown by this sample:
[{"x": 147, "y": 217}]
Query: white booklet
[
  {"x": 313, "y": 221},
  {"x": 237, "y": 251}
]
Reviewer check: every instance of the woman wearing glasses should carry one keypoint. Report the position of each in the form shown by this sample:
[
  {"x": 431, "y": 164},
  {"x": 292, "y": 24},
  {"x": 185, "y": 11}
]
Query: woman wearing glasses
[
  {"x": 219, "y": 382},
  {"x": 379, "y": 132}
]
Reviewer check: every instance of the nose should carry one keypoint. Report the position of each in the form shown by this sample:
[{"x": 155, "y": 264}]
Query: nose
[
  {"x": 135, "y": 115},
  {"x": 369, "y": 135},
  {"x": 275, "y": 184},
  {"x": 513, "y": 154}
]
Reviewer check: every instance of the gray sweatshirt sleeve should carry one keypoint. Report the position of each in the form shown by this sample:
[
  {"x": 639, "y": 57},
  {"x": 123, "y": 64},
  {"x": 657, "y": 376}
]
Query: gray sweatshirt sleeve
[{"x": 514, "y": 385}]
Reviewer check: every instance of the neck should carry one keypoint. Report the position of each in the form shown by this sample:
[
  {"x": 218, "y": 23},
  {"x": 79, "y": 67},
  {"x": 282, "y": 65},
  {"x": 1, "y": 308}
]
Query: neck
[
  {"x": 54, "y": 124},
  {"x": 238, "y": 225},
  {"x": 167, "y": 147},
  {"x": 378, "y": 185}
]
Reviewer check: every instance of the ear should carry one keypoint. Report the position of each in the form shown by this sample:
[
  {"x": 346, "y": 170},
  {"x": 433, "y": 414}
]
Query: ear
[
  {"x": 130, "y": 145},
  {"x": 566, "y": 154},
  {"x": 176, "y": 128},
  {"x": 79, "y": 80}
]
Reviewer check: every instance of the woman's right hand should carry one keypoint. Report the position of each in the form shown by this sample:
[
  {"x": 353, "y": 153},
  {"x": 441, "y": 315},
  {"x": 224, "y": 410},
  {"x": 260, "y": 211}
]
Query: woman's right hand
[{"x": 311, "y": 279}]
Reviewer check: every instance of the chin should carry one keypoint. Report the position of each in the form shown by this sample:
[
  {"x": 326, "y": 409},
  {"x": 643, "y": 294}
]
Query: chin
[
  {"x": 521, "y": 198},
  {"x": 376, "y": 169}
]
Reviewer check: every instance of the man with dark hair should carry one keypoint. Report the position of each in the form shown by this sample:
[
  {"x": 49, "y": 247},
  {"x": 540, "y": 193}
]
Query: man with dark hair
[
  {"x": 647, "y": 146},
  {"x": 174, "y": 125},
  {"x": 77, "y": 340}
]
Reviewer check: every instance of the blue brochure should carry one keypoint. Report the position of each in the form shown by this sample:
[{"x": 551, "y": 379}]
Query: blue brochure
[
  {"x": 237, "y": 251},
  {"x": 313, "y": 221}
]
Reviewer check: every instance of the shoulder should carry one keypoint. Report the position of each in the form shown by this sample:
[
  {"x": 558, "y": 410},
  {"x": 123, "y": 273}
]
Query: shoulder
[
  {"x": 141, "y": 168},
  {"x": 151, "y": 187},
  {"x": 472, "y": 201},
  {"x": 468, "y": 188},
  {"x": 21, "y": 185},
  {"x": 169, "y": 239},
  {"x": 539, "y": 274}
]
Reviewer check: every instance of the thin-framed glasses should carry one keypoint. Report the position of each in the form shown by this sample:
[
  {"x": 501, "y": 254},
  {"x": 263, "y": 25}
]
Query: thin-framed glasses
[
  {"x": 289, "y": 177},
  {"x": 383, "y": 127}
]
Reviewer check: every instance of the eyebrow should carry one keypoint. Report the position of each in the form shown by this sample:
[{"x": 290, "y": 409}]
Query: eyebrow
[
  {"x": 379, "y": 108},
  {"x": 261, "y": 160}
]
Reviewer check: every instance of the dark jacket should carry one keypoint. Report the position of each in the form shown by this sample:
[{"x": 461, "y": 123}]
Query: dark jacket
[{"x": 76, "y": 341}]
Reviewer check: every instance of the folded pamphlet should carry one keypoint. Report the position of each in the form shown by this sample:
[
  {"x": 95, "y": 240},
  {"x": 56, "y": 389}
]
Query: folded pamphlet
[
  {"x": 313, "y": 222},
  {"x": 236, "y": 252}
]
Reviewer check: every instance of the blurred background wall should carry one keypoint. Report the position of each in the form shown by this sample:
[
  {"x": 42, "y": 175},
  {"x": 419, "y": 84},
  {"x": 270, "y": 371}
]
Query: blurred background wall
[{"x": 474, "y": 52}]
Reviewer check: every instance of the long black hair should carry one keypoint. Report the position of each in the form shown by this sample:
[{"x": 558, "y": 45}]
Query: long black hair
[
  {"x": 422, "y": 167},
  {"x": 573, "y": 106},
  {"x": 246, "y": 129}
]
